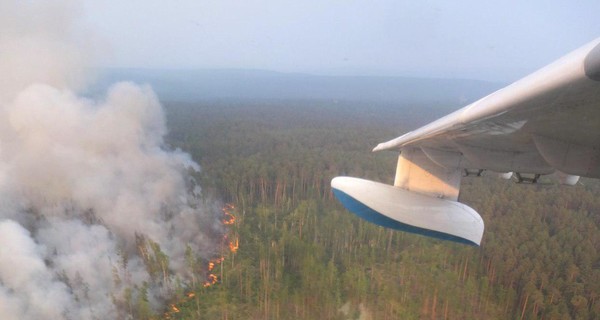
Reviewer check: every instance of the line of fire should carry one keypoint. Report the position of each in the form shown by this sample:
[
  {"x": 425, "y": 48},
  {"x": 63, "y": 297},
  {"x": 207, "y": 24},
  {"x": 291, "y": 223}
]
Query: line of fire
[{"x": 230, "y": 241}]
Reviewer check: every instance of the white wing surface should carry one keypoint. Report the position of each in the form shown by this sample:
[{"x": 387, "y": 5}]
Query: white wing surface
[{"x": 546, "y": 122}]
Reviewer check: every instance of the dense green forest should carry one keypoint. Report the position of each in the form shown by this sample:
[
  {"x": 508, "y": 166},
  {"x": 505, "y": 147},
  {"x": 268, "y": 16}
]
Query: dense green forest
[{"x": 301, "y": 255}]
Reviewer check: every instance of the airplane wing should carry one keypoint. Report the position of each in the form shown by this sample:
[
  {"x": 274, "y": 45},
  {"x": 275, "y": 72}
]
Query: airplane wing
[{"x": 546, "y": 122}]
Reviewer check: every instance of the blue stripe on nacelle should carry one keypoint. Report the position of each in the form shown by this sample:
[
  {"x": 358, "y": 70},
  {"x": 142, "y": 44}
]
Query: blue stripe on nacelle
[{"x": 375, "y": 217}]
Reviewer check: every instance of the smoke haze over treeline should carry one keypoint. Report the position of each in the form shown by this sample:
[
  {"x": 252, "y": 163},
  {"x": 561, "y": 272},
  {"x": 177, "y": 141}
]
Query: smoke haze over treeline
[{"x": 238, "y": 84}]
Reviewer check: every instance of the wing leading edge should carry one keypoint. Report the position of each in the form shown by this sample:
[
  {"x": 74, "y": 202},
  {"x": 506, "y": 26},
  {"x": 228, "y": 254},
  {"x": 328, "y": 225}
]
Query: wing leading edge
[{"x": 546, "y": 122}]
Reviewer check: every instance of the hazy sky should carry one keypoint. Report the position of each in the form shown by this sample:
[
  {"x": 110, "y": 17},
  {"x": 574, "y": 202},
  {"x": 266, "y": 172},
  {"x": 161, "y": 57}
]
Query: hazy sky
[{"x": 499, "y": 40}]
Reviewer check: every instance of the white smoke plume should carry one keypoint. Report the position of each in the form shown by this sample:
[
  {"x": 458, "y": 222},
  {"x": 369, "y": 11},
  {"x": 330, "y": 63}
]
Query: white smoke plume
[{"x": 94, "y": 209}]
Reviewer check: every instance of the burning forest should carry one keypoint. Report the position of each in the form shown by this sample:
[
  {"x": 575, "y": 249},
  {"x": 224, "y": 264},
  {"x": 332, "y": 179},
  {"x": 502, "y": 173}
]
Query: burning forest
[
  {"x": 98, "y": 216},
  {"x": 214, "y": 264}
]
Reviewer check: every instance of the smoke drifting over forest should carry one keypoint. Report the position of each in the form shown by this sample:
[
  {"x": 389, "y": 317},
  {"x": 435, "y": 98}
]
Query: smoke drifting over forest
[{"x": 85, "y": 186}]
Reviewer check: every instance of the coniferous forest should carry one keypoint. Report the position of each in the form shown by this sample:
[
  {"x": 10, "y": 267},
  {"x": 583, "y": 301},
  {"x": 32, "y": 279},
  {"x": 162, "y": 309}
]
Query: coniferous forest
[{"x": 298, "y": 254}]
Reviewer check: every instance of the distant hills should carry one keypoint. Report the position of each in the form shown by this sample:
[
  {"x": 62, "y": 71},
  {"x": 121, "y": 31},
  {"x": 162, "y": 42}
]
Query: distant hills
[{"x": 225, "y": 84}]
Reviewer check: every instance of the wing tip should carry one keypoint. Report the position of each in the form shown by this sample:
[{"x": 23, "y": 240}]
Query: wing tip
[
  {"x": 591, "y": 63},
  {"x": 379, "y": 147},
  {"x": 380, "y": 204}
]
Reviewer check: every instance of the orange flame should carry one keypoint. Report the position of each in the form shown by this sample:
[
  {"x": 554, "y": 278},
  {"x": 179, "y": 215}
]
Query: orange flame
[
  {"x": 234, "y": 245},
  {"x": 173, "y": 307},
  {"x": 229, "y": 218},
  {"x": 212, "y": 280}
]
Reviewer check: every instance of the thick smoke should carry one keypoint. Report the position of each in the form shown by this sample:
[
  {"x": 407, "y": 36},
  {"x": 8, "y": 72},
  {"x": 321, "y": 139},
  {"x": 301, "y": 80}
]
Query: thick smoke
[{"x": 94, "y": 210}]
